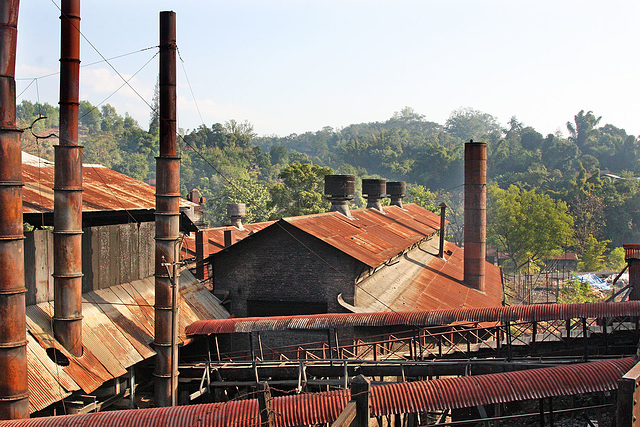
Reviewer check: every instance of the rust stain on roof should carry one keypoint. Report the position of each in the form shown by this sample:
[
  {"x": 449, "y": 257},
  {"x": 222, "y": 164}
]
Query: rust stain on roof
[
  {"x": 103, "y": 188},
  {"x": 371, "y": 237},
  {"x": 117, "y": 333}
]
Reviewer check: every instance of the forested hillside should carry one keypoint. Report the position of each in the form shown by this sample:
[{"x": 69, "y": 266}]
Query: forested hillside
[{"x": 584, "y": 184}]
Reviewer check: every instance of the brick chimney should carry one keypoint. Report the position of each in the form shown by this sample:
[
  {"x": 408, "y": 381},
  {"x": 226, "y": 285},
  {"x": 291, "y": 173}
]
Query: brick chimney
[{"x": 475, "y": 214}]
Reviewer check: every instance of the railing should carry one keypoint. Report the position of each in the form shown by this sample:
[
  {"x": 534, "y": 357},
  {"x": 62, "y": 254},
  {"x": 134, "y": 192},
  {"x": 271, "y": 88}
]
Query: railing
[{"x": 497, "y": 339}]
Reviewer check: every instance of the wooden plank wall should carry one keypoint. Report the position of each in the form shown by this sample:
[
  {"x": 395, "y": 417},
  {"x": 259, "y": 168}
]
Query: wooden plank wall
[{"x": 111, "y": 255}]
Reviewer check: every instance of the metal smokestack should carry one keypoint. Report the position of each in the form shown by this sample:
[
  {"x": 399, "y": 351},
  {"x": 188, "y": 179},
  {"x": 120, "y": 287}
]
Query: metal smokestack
[
  {"x": 374, "y": 190},
  {"x": 235, "y": 212},
  {"x": 443, "y": 224},
  {"x": 341, "y": 189},
  {"x": 167, "y": 218},
  {"x": 632, "y": 257},
  {"x": 14, "y": 403},
  {"x": 67, "y": 209},
  {"x": 475, "y": 213},
  {"x": 397, "y": 190}
]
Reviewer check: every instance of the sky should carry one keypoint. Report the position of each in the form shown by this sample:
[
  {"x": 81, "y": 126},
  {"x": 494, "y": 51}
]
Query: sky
[{"x": 291, "y": 66}]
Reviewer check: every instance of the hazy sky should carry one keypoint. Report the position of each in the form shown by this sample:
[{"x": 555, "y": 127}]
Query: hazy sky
[{"x": 289, "y": 66}]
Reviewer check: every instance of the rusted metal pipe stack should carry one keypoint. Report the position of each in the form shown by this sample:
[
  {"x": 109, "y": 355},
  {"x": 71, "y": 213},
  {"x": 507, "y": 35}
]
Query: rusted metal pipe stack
[
  {"x": 67, "y": 210},
  {"x": 475, "y": 214},
  {"x": 14, "y": 394},
  {"x": 167, "y": 215}
]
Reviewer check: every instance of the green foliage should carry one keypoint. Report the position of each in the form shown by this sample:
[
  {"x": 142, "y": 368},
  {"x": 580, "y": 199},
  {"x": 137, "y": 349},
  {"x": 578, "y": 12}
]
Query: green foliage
[
  {"x": 575, "y": 292},
  {"x": 615, "y": 259},
  {"x": 301, "y": 191},
  {"x": 527, "y": 226},
  {"x": 254, "y": 194},
  {"x": 422, "y": 196},
  {"x": 592, "y": 258}
]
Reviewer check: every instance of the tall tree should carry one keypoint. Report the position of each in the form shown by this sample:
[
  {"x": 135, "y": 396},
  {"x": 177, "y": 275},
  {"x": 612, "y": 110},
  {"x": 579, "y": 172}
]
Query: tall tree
[
  {"x": 583, "y": 128},
  {"x": 301, "y": 191},
  {"x": 527, "y": 226}
]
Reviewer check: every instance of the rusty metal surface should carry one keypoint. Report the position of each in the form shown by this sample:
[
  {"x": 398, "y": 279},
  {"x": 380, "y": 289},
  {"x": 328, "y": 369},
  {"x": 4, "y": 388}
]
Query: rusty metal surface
[
  {"x": 166, "y": 218},
  {"x": 371, "y": 237},
  {"x": 118, "y": 332},
  {"x": 13, "y": 343},
  {"x": 67, "y": 212},
  {"x": 408, "y": 397},
  {"x": 475, "y": 214},
  {"x": 104, "y": 189},
  {"x": 420, "y": 280},
  {"x": 529, "y": 313},
  {"x": 464, "y": 392}
]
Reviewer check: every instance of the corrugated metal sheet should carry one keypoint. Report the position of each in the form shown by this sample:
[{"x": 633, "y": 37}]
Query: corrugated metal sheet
[
  {"x": 104, "y": 189},
  {"x": 416, "y": 318},
  {"x": 117, "y": 331},
  {"x": 419, "y": 280},
  {"x": 371, "y": 237},
  {"x": 408, "y": 397}
]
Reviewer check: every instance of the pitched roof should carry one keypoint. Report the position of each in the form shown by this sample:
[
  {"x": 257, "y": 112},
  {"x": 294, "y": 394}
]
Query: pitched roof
[
  {"x": 371, "y": 237},
  {"x": 103, "y": 189},
  {"x": 213, "y": 238},
  {"x": 420, "y": 280}
]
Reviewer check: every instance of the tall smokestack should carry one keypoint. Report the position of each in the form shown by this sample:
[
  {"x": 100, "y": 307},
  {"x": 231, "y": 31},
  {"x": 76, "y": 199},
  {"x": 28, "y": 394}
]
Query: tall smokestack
[
  {"x": 374, "y": 190},
  {"x": 397, "y": 190},
  {"x": 67, "y": 208},
  {"x": 14, "y": 403},
  {"x": 475, "y": 214},
  {"x": 167, "y": 217},
  {"x": 341, "y": 189}
]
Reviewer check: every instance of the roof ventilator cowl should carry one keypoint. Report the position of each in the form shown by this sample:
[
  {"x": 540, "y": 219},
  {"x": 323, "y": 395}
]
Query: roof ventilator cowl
[
  {"x": 340, "y": 190},
  {"x": 374, "y": 190},
  {"x": 396, "y": 190},
  {"x": 235, "y": 212}
]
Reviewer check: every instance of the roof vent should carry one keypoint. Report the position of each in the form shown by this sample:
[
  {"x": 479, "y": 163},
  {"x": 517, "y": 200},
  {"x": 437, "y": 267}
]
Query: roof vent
[
  {"x": 374, "y": 190},
  {"x": 235, "y": 212},
  {"x": 397, "y": 190},
  {"x": 340, "y": 189}
]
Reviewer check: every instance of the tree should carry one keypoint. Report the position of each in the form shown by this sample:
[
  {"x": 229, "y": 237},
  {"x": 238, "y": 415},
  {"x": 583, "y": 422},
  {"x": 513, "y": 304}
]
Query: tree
[
  {"x": 584, "y": 128},
  {"x": 592, "y": 258},
  {"x": 422, "y": 196},
  {"x": 615, "y": 259},
  {"x": 575, "y": 292},
  {"x": 301, "y": 191},
  {"x": 467, "y": 123},
  {"x": 527, "y": 226},
  {"x": 254, "y": 194}
]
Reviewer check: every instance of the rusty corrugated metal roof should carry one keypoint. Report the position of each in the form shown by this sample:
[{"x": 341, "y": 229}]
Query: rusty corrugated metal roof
[
  {"x": 528, "y": 313},
  {"x": 117, "y": 332},
  {"x": 420, "y": 280},
  {"x": 407, "y": 397},
  {"x": 103, "y": 189},
  {"x": 371, "y": 237}
]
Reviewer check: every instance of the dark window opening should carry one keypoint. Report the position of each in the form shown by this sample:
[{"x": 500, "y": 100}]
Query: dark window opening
[
  {"x": 261, "y": 308},
  {"x": 57, "y": 356}
]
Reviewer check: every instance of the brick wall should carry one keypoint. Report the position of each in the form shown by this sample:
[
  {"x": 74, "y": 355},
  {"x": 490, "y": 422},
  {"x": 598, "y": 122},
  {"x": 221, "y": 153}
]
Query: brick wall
[{"x": 275, "y": 266}]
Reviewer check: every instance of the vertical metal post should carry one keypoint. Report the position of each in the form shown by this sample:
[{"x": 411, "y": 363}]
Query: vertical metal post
[
  {"x": 67, "y": 209},
  {"x": 475, "y": 214},
  {"x": 200, "y": 255},
  {"x": 14, "y": 393},
  {"x": 167, "y": 213},
  {"x": 360, "y": 393},
  {"x": 443, "y": 222}
]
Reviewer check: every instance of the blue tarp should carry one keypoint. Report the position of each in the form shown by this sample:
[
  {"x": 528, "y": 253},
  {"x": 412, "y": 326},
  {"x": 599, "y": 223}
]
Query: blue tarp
[{"x": 593, "y": 280}]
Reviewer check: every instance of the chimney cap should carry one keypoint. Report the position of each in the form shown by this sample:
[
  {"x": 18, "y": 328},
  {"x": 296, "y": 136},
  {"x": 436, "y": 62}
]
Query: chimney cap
[
  {"x": 236, "y": 209},
  {"x": 374, "y": 187},
  {"x": 397, "y": 188},
  {"x": 340, "y": 186}
]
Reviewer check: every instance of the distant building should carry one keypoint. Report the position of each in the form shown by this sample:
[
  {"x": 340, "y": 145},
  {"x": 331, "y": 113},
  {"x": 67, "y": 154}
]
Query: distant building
[{"x": 565, "y": 262}]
